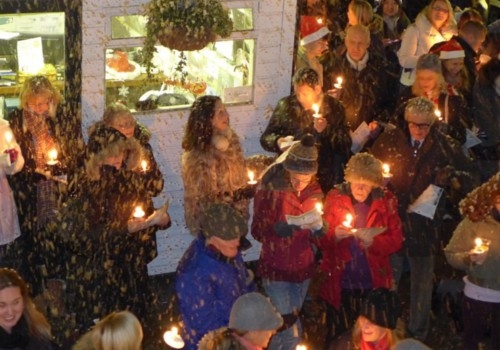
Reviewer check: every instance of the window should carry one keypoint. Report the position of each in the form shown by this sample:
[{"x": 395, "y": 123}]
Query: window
[{"x": 224, "y": 68}]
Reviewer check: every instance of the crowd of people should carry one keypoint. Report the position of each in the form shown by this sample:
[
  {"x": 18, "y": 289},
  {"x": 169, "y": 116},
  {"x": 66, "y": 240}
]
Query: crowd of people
[{"x": 383, "y": 160}]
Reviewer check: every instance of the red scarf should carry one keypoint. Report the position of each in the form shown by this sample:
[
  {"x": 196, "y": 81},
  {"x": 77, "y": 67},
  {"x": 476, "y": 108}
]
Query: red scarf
[{"x": 381, "y": 344}]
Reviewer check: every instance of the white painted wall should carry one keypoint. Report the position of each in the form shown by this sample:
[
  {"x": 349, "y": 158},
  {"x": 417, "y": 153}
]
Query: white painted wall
[{"x": 274, "y": 22}]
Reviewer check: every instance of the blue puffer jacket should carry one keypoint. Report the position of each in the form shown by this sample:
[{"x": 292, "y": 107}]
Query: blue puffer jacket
[{"x": 207, "y": 286}]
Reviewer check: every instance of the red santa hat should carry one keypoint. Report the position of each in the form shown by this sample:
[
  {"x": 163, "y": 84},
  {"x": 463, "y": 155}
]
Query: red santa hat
[
  {"x": 311, "y": 29},
  {"x": 450, "y": 49}
]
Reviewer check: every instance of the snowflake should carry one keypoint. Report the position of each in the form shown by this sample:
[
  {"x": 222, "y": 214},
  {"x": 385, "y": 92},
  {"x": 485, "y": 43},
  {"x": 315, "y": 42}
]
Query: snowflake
[{"x": 123, "y": 91}]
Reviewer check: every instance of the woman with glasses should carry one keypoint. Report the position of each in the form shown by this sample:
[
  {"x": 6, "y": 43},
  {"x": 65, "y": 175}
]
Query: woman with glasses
[
  {"x": 50, "y": 140},
  {"x": 435, "y": 23},
  {"x": 452, "y": 114}
]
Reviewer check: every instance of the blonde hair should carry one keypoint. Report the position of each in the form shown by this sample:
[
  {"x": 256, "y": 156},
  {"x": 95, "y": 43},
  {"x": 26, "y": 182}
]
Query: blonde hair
[
  {"x": 362, "y": 10},
  {"x": 38, "y": 85},
  {"x": 478, "y": 203},
  {"x": 441, "y": 85},
  {"x": 38, "y": 326},
  {"x": 116, "y": 110},
  {"x": 451, "y": 18},
  {"x": 118, "y": 331},
  {"x": 392, "y": 335}
]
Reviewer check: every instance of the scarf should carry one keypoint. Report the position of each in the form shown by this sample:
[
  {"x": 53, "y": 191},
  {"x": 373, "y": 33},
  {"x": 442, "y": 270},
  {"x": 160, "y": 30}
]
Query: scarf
[
  {"x": 18, "y": 338},
  {"x": 382, "y": 344}
]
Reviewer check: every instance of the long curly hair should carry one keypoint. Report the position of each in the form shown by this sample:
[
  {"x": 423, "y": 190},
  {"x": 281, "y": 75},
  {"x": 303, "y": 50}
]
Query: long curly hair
[
  {"x": 198, "y": 132},
  {"x": 38, "y": 326},
  {"x": 479, "y": 203}
]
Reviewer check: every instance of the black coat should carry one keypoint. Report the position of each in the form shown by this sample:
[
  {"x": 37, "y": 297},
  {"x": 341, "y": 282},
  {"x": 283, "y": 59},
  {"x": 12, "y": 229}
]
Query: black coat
[
  {"x": 365, "y": 94},
  {"x": 334, "y": 143},
  {"x": 440, "y": 162}
]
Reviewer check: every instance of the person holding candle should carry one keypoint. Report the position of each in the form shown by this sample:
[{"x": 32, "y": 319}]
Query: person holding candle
[
  {"x": 211, "y": 274},
  {"x": 355, "y": 265},
  {"x": 213, "y": 165},
  {"x": 421, "y": 157},
  {"x": 481, "y": 301},
  {"x": 293, "y": 117},
  {"x": 118, "y": 330},
  {"x": 147, "y": 181},
  {"x": 41, "y": 123},
  {"x": 455, "y": 116},
  {"x": 366, "y": 89},
  {"x": 22, "y": 326},
  {"x": 94, "y": 235},
  {"x": 287, "y": 259},
  {"x": 11, "y": 162},
  {"x": 252, "y": 323}
]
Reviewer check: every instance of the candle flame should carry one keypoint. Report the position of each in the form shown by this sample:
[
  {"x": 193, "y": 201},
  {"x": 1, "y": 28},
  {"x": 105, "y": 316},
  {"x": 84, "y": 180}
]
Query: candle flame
[
  {"x": 319, "y": 207},
  {"x": 301, "y": 347},
  {"x": 52, "y": 154},
  {"x": 339, "y": 81},
  {"x": 478, "y": 241},
  {"x": 348, "y": 220},
  {"x": 144, "y": 165},
  {"x": 8, "y": 137},
  {"x": 138, "y": 212},
  {"x": 251, "y": 175},
  {"x": 174, "y": 330},
  {"x": 315, "y": 108},
  {"x": 437, "y": 112},
  {"x": 319, "y": 21},
  {"x": 386, "y": 168}
]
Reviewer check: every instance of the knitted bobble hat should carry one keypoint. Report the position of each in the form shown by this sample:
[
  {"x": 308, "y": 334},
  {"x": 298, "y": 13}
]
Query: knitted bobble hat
[
  {"x": 223, "y": 221},
  {"x": 254, "y": 312},
  {"x": 303, "y": 156}
]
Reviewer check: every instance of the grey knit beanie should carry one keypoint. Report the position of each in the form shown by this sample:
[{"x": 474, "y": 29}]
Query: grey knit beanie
[
  {"x": 429, "y": 61},
  {"x": 254, "y": 312},
  {"x": 303, "y": 156}
]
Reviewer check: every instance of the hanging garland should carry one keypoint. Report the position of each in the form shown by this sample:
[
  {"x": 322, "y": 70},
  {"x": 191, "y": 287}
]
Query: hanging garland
[{"x": 184, "y": 25}]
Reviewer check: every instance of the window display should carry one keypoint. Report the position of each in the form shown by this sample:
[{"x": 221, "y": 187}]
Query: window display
[{"x": 223, "y": 68}]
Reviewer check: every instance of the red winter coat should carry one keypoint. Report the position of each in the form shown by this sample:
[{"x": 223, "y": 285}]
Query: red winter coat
[
  {"x": 289, "y": 259},
  {"x": 383, "y": 213}
]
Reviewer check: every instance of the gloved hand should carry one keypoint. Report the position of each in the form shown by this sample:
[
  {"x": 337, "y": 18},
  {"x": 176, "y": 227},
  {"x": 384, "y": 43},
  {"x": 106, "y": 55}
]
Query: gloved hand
[
  {"x": 285, "y": 230},
  {"x": 342, "y": 232},
  {"x": 247, "y": 192},
  {"x": 320, "y": 230}
]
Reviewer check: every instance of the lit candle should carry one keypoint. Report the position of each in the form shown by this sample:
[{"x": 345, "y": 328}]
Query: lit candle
[
  {"x": 138, "y": 212},
  {"x": 386, "y": 170},
  {"x": 301, "y": 347},
  {"x": 52, "y": 157},
  {"x": 338, "y": 84},
  {"x": 315, "y": 108},
  {"x": 251, "y": 178},
  {"x": 173, "y": 339},
  {"x": 437, "y": 112},
  {"x": 144, "y": 165},
  {"x": 348, "y": 220},
  {"x": 8, "y": 138},
  {"x": 319, "y": 208},
  {"x": 480, "y": 247}
]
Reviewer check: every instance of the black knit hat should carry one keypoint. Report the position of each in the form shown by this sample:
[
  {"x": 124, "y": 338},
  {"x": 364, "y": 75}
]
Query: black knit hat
[
  {"x": 382, "y": 307},
  {"x": 103, "y": 137},
  {"x": 223, "y": 221},
  {"x": 303, "y": 156}
]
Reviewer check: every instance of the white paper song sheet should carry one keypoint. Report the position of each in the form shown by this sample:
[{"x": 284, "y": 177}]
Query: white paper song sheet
[
  {"x": 30, "y": 55},
  {"x": 370, "y": 232},
  {"x": 427, "y": 202},
  {"x": 311, "y": 217},
  {"x": 359, "y": 137}
]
